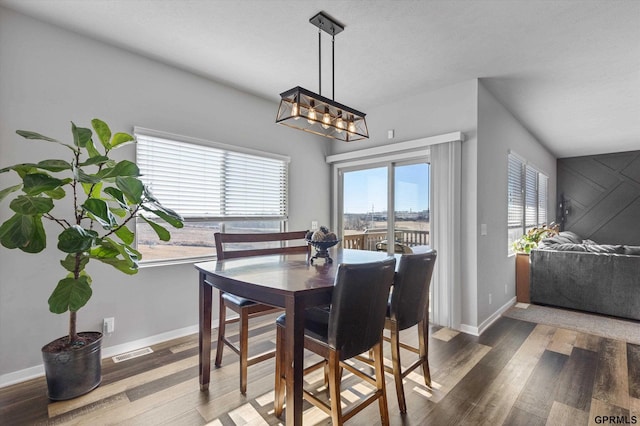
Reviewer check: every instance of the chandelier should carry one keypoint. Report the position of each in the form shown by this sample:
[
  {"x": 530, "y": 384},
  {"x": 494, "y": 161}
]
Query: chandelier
[{"x": 305, "y": 110}]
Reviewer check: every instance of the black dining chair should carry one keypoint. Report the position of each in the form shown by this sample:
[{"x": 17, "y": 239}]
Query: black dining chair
[
  {"x": 232, "y": 245},
  {"x": 352, "y": 325},
  {"x": 408, "y": 306}
]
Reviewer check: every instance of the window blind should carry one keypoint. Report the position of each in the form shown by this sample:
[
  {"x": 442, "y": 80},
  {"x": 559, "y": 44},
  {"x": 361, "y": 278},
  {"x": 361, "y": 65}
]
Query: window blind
[
  {"x": 542, "y": 198},
  {"x": 531, "y": 197},
  {"x": 514, "y": 192},
  {"x": 210, "y": 182}
]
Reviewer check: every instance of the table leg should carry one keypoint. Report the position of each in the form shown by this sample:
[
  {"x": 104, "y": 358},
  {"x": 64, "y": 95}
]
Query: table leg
[
  {"x": 204, "y": 339},
  {"x": 294, "y": 356}
]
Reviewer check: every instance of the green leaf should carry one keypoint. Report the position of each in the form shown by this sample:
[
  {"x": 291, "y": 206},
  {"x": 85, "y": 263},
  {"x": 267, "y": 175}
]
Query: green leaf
[
  {"x": 121, "y": 265},
  {"x": 92, "y": 189},
  {"x": 76, "y": 239},
  {"x": 131, "y": 187},
  {"x": 37, "y": 136},
  {"x": 99, "y": 210},
  {"x": 128, "y": 253},
  {"x": 36, "y": 183},
  {"x": 102, "y": 130},
  {"x": 108, "y": 252},
  {"x": 70, "y": 295},
  {"x": 117, "y": 195},
  {"x": 104, "y": 250},
  {"x": 69, "y": 262},
  {"x": 96, "y": 160},
  {"x": 56, "y": 194},
  {"x": 83, "y": 177},
  {"x": 123, "y": 168},
  {"x": 120, "y": 139},
  {"x": 163, "y": 234},
  {"x": 23, "y": 232},
  {"x": 91, "y": 149},
  {"x": 125, "y": 235},
  {"x": 54, "y": 165},
  {"x": 81, "y": 135},
  {"x": 27, "y": 205},
  {"x": 9, "y": 190},
  {"x": 118, "y": 211},
  {"x": 168, "y": 215}
]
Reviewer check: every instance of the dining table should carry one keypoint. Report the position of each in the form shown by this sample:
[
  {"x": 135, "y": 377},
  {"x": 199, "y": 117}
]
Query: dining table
[{"x": 288, "y": 281}]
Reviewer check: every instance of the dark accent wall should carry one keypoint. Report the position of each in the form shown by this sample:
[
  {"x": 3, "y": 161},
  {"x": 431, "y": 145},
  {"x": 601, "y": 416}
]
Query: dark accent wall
[{"x": 602, "y": 196}]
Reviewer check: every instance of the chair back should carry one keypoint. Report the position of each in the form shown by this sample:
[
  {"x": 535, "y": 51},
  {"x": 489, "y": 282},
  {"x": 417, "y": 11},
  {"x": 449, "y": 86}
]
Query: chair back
[
  {"x": 244, "y": 245},
  {"x": 359, "y": 306},
  {"x": 410, "y": 295}
]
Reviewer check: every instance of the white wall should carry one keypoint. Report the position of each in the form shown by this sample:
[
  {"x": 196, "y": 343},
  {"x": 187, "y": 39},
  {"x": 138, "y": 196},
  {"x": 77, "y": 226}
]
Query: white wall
[
  {"x": 499, "y": 132},
  {"x": 48, "y": 77}
]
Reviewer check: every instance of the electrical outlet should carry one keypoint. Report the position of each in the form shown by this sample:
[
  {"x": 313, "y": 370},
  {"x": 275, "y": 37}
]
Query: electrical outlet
[
  {"x": 490, "y": 298},
  {"x": 314, "y": 225},
  {"x": 108, "y": 325}
]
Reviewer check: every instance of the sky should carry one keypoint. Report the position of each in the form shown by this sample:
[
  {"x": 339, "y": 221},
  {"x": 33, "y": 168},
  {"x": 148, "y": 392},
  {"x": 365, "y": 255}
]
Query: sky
[{"x": 365, "y": 190}]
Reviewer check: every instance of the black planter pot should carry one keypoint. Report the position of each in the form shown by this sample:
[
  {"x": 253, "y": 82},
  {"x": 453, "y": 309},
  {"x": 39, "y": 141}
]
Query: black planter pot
[{"x": 75, "y": 371}]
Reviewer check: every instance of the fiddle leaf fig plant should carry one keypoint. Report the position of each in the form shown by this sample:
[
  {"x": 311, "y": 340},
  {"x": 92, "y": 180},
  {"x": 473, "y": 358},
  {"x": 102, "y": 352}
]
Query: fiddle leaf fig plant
[{"x": 92, "y": 199}]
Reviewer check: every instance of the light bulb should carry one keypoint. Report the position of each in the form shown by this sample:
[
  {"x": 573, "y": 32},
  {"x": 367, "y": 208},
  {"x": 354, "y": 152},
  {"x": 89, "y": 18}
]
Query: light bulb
[
  {"x": 311, "y": 115},
  {"x": 351, "y": 128},
  {"x": 339, "y": 124},
  {"x": 295, "y": 112},
  {"x": 326, "y": 119}
]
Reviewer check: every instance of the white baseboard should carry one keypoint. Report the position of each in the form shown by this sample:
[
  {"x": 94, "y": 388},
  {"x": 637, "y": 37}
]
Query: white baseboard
[
  {"x": 38, "y": 370},
  {"x": 477, "y": 331}
]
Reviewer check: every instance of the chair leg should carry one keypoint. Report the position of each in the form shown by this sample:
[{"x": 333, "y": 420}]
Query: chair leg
[
  {"x": 279, "y": 388},
  {"x": 244, "y": 350},
  {"x": 222, "y": 319},
  {"x": 335, "y": 376},
  {"x": 380, "y": 384},
  {"x": 423, "y": 338},
  {"x": 397, "y": 368}
]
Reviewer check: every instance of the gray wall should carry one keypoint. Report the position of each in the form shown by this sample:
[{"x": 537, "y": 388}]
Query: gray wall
[
  {"x": 603, "y": 193},
  {"x": 48, "y": 77},
  {"x": 498, "y": 132}
]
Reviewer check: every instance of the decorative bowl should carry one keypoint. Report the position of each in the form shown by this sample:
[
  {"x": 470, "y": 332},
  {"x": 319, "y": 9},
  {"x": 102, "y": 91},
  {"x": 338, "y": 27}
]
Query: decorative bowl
[{"x": 322, "y": 249}]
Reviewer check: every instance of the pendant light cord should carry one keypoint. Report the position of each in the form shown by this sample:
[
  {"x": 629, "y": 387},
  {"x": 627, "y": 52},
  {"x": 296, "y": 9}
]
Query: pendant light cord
[
  {"x": 319, "y": 61},
  {"x": 333, "y": 67}
]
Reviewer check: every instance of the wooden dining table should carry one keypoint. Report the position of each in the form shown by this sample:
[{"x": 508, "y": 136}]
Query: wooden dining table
[{"x": 286, "y": 281}]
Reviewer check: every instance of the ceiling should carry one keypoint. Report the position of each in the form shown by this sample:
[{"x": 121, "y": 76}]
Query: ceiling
[{"x": 569, "y": 71}]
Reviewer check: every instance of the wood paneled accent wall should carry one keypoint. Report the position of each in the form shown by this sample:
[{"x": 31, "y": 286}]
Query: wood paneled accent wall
[{"x": 602, "y": 194}]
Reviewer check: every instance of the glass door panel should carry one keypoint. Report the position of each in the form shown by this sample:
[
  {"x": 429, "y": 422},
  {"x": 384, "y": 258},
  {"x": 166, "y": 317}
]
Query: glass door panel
[
  {"x": 364, "y": 212},
  {"x": 411, "y": 205}
]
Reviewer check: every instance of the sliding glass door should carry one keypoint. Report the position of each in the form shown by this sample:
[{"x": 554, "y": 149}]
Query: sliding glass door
[{"x": 370, "y": 192}]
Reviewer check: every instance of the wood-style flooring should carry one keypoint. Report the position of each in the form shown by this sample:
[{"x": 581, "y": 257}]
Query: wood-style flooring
[{"x": 516, "y": 373}]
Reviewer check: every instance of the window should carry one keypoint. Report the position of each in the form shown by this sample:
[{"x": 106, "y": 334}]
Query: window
[
  {"x": 526, "y": 198},
  {"x": 214, "y": 187}
]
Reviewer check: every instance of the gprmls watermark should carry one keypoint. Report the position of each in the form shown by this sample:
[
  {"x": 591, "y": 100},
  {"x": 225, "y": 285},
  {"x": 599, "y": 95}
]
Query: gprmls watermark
[{"x": 616, "y": 420}]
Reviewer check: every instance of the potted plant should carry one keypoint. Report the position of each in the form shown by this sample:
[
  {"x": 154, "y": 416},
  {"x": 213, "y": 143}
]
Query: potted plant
[
  {"x": 91, "y": 198},
  {"x": 522, "y": 248}
]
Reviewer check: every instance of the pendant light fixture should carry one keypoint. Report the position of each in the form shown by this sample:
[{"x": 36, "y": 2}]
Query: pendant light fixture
[{"x": 304, "y": 110}]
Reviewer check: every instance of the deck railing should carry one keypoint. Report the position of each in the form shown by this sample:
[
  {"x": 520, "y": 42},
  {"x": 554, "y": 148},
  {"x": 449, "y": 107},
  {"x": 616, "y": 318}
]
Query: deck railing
[{"x": 367, "y": 240}]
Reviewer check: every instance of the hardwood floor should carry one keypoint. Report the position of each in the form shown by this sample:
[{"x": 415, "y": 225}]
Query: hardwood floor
[{"x": 516, "y": 373}]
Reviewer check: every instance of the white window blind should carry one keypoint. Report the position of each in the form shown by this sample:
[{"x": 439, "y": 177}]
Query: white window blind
[
  {"x": 542, "y": 198},
  {"x": 527, "y": 198},
  {"x": 515, "y": 193},
  {"x": 209, "y": 182},
  {"x": 531, "y": 197}
]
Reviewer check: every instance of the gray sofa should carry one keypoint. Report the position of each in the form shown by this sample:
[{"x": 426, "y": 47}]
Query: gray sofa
[{"x": 570, "y": 272}]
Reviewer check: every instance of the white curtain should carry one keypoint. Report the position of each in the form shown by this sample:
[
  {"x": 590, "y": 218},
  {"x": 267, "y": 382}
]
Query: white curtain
[{"x": 445, "y": 233}]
